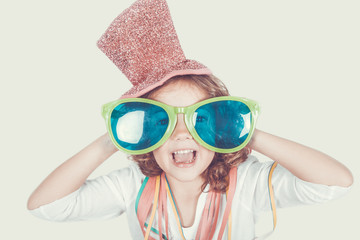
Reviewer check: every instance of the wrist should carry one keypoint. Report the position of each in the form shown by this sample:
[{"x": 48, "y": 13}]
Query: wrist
[
  {"x": 252, "y": 142},
  {"x": 108, "y": 145}
]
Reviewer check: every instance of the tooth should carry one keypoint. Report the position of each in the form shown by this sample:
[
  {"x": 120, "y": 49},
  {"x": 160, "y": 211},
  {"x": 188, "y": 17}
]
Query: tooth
[{"x": 183, "y": 151}]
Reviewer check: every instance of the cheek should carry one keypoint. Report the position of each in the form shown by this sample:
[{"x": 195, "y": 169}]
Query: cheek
[
  {"x": 160, "y": 156},
  {"x": 205, "y": 159},
  {"x": 207, "y": 156}
]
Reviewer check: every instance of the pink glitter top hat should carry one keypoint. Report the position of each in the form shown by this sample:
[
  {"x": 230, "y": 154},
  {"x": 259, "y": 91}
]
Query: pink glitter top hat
[{"x": 143, "y": 44}]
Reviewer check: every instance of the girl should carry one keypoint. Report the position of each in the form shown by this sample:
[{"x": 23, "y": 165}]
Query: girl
[{"x": 194, "y": 177}]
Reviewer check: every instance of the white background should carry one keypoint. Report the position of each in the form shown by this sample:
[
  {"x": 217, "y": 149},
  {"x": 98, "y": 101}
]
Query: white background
[{"x": 299, "y": 59}]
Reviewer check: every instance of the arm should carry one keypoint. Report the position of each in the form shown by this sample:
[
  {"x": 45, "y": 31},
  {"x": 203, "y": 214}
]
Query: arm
[
  {"x": 70, "y": 175},
  {"x": 305, "y": 163}
]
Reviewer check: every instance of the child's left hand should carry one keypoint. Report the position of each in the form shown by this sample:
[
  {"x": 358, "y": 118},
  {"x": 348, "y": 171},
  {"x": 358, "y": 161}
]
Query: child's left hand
[{"x": 304, "y": 162}]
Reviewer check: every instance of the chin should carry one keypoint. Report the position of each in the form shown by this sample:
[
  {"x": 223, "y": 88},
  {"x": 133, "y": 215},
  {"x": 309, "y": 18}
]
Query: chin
[{"x": 185, "y": 175}]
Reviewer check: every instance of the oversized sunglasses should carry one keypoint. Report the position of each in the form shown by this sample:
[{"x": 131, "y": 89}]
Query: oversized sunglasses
[{"x": 220, "y": 124}]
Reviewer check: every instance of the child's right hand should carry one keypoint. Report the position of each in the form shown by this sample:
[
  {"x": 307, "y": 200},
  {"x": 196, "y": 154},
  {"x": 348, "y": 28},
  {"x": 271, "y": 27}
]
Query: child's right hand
[
  {"x": 70, "y": 175},
  {"x": 108, "y": 144}
]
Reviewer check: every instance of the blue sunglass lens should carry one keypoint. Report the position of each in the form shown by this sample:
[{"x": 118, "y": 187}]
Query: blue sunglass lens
[
  {"x": 138, "y": 125},
  {"x": 223, "y": 124}
]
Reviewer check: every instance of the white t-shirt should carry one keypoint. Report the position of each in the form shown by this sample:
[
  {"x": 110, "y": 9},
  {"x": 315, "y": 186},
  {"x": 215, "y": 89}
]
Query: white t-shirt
[{"x": 111, "y": 195}]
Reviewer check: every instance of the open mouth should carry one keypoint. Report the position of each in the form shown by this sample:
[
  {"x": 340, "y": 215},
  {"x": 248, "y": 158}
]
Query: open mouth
[{"x": 184, "y": 156}]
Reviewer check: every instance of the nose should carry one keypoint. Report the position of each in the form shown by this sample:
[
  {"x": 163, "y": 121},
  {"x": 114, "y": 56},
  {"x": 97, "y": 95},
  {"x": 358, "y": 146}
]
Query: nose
[{"x": 180, "y": 131}]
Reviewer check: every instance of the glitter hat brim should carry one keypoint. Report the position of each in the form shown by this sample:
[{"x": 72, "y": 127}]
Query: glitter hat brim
[{"x": 188, "y": 67}]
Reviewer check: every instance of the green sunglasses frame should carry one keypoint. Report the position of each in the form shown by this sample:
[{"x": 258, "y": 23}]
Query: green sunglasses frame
[{"x": 188, "y": 115}]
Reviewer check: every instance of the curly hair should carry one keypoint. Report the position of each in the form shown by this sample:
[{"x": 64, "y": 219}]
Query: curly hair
[{"x": 216, "y": 175}]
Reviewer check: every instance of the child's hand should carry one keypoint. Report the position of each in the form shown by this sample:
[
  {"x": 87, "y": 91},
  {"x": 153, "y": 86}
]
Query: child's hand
[
  {"x": 108, "y": 144},
  {"x": 70, "y": 175},
  {"x": 305, "y": 163}
]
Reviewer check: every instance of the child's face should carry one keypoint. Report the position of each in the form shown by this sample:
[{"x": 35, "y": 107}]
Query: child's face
[{"x": 181, "y": 157}]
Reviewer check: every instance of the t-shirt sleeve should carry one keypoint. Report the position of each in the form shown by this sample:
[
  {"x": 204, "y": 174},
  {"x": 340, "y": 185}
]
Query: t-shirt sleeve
[
  {"x": 288, "y": 189},
  {"x": 100, "y": 198}
]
